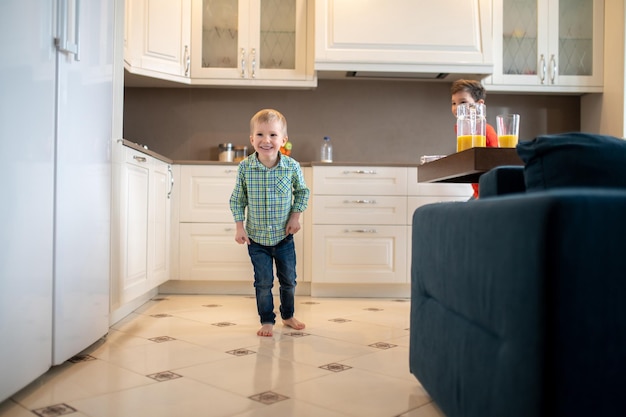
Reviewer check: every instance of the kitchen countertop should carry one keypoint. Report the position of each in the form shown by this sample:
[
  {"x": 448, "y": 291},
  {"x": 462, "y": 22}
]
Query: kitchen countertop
[
  {"x": 307, "y": 164},
  {"x": 140, "y": 148}
]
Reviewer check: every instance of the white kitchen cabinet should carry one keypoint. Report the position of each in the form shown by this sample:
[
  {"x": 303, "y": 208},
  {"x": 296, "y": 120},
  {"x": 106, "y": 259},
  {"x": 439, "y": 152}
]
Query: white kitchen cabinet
[
  {"x": 548, "y": 46},
  {"x": 404, "y": 36},
  {"x": 207, "y": 248},
  {"x": 252, "y": 43},
  {"x": 359, "y": 225},
  {"x": 157, "y": 39},
  {"x": 145, "y": 207}
]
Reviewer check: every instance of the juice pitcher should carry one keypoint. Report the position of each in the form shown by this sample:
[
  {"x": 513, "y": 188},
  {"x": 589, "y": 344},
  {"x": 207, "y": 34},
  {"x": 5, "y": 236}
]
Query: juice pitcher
[{"x": 471, "y": 125}]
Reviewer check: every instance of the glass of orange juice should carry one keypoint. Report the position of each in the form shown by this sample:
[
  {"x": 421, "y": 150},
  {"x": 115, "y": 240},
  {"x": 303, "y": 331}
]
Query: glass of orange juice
[{"x": 507, "y": 126}]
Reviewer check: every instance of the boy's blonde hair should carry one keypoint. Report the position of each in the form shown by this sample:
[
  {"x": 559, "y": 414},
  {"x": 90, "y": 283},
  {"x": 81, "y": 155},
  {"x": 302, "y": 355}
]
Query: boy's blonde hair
[
  {"x": 267, "y": 116},
  {"x": 474, "y": 88}
]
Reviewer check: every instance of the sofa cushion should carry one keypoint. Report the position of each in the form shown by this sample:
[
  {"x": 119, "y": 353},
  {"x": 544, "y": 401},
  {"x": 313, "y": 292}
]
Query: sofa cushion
[{"x": 573, "y": 160}]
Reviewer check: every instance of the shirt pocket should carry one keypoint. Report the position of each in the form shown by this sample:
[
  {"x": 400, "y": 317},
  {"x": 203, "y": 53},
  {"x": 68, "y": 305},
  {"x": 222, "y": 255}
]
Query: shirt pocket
[{"x": 283, "y": 185}]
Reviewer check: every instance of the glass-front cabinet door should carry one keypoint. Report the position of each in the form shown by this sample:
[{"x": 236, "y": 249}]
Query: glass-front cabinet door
[
  {"x": 250, "y": 40},
  {"x": 551, "y": 44}
]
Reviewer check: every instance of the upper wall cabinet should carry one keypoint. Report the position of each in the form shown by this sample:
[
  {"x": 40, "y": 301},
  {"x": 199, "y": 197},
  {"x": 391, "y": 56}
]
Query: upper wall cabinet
[
  {"x": 548, "y": 46},
  {"x": 157, "y": 38},
  {"x": 253, "y": 42},
  {"x": 264, "y": 43},
  {"x": 413, "y": 36}
]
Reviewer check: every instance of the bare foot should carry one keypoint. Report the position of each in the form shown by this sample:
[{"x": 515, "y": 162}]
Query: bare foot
[
  {"x": 266, "y": 330},
  {"x": 294, "y": 324}
]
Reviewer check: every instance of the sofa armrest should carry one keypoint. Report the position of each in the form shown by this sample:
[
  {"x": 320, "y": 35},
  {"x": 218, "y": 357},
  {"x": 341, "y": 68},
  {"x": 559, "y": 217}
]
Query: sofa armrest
[
  {"x": 518, "y": 303},
  {"x": 507, "y": 179}
]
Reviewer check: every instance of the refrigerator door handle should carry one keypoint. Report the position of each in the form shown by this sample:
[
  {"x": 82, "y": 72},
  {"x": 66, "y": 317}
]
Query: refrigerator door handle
[{"x": 63, "y": 42}]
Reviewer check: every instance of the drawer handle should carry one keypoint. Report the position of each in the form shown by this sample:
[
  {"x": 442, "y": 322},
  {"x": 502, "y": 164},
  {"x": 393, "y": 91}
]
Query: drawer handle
[
  {"x": 359, "y": 202},
  {"x": 139, "y": 158},
  {"x": 360, "y": 231},
  {"x": 361, "y": 171},
  {"x": 230, "y": 171}
]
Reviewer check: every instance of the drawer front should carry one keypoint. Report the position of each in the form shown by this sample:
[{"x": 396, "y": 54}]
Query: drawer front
[
  {"x": 363, "y": 180},
  {"x": 330, "y": 209},
  {"x": 435, "y": 188},
  {"x": 209, "y": 252},
  {"x": 205, "y": 193},
  {"x": 359, "y": 254},
  {"x": 415, "y": 202}
]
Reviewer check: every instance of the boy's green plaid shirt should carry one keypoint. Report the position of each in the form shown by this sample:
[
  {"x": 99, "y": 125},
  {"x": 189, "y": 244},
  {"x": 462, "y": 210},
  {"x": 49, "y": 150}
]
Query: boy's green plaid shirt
[{"x": 270, "y": 195}]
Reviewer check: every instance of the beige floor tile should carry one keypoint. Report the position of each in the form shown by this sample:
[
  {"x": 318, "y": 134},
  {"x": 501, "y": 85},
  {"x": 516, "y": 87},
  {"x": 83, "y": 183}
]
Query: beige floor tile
[
  {"x": 180, "y": 397},
  {"x": 360, "y": 393},
  {"x": 251, "y": 374},
  {"x": 71, "y": 381}
]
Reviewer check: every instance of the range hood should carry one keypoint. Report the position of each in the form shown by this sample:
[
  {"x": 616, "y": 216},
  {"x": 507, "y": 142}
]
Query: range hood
[{"x": 445, "y": 75}]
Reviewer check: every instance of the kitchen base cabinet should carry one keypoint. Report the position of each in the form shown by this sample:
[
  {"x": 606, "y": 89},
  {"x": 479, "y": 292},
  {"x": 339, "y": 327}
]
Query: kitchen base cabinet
[
  {"x": 143, "y": 258},
  {"x": 207, "y": 249},
  {"x": 359, "y": 225}
]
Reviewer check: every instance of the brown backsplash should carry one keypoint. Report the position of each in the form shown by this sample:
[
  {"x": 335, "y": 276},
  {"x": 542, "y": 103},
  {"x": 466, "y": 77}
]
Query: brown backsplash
[{"x": 368, "y": 121}]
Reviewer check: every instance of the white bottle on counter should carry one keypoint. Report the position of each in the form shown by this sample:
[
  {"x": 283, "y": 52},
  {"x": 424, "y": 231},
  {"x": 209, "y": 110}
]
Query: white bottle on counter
[{"x": 326, "y": 151}]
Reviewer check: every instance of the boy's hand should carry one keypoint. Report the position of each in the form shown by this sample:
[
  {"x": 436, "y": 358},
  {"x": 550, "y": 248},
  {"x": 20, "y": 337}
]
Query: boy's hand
[
  {"x": 293, "y": 225},
  {"x": 241, "y": 236}
]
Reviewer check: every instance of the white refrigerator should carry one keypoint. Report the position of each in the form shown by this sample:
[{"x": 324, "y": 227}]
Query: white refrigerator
[{"x": 56, "y": 118}]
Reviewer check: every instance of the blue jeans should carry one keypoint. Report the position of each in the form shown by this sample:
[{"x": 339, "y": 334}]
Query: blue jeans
[{"x": 263, "y": 259}]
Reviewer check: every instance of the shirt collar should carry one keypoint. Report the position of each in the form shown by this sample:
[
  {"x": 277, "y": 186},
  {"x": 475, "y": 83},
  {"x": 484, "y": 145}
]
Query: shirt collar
[{"x": 282, "y": 162}]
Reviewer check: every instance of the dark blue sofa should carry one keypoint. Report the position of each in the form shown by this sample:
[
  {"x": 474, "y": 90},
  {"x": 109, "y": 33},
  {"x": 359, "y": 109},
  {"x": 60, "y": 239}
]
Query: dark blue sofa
[{"x": 519, "y": 298}]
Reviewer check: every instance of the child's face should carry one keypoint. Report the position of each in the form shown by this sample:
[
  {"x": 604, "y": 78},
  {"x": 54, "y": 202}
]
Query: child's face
[
  {"x": 267, "y": 138},
  {"x": 462, "y": 97}
]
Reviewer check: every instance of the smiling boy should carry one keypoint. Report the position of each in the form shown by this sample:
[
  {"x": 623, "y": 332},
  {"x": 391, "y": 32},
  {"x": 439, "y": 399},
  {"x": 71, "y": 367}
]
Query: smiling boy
[{"x": 272, "y": 188}]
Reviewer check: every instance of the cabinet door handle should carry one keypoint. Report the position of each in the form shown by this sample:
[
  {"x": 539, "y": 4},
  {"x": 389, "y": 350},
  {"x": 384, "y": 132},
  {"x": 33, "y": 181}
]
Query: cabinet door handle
[
  {"x": 359, "y": 201},
  {"x": 360, "y": 231},
  {"x": 243, "y": 63},
  {"x": 63, "y": 43},
  {"x": 542, "y": 64},
  {"x": 139, "y": 158},
  {"x": 253, "y": 59},
  {"x": 553, "y": 65},
  {"x": 187, "y": 59},
  {"x": 361, "y": 171},
  {"x": 171, "y": 174}
]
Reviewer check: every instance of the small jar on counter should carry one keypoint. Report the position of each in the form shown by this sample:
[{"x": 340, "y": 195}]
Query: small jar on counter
[
  {"x": 226, "y": 152},
  {"x": 240, "y": 153}
]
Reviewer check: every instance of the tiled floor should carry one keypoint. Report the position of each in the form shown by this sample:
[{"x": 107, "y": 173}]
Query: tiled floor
[{"x": 184, "y": 355}]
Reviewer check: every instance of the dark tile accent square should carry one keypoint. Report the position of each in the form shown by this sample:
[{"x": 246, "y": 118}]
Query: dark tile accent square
[
  {"x": 81, "y": 358},
  {"x": 160, "y": 316},
  {"x": 296, "y": 334},
  {"x": 373, "y": 309},
  {"x": 382, "y": 345},
  {"x": 223, "y": 324},
  {"x": 335, "y": 367},
  {"x": 164, "y": 376},
  {"x": 268, "y": 397},
  {"x": 161, "y": 339},
  {"x": 54, "y": 410},
  {"x": 339, "y": 320},
  {"x": 241, "y": 352}
]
